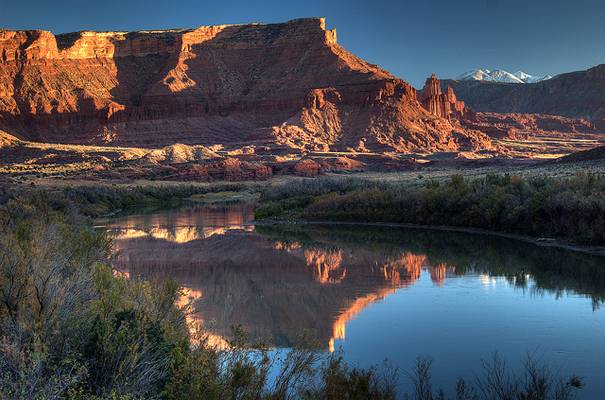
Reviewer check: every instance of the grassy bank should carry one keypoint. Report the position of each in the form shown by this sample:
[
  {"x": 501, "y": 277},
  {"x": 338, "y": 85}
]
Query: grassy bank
[
  {"x": 70, "y": 328},
  {"x": 567, "y": 208}
]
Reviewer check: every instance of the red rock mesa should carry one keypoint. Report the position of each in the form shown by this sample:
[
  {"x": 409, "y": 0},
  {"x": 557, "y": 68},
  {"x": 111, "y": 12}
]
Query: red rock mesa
[{"x": 288, "y": 85}]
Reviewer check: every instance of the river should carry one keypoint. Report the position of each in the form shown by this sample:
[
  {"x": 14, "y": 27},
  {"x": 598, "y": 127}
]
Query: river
[{"x": 376, "y": 293}]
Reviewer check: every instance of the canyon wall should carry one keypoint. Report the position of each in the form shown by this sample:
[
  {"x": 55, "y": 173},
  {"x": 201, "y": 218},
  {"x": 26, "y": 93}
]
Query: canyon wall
[{"x": 287, "y": 86}]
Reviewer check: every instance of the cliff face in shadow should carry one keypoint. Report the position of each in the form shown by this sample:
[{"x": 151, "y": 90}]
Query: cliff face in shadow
[{"x": 287, "y": 85}]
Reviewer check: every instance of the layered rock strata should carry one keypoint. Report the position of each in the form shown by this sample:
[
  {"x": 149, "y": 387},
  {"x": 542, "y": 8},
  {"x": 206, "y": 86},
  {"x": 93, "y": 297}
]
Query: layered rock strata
[{"x": 287, "y": 85}]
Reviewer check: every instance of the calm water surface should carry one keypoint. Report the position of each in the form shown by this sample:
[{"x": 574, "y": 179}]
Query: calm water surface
[{"x": 378, "y": 293}]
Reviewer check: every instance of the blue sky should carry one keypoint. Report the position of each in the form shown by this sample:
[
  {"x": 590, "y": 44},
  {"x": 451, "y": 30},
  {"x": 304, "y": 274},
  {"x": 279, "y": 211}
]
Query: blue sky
[{"x": 411, "y": 39}]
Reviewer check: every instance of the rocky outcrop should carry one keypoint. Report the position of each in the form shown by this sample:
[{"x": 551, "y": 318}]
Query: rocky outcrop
[
  {"x": 346, "y": 164},
  {"x": 229, "y": 169},
  {"x": 7, "y": 140},
  {"x": 179, "y": 153},
  {"x": 542, "y": 133},
  {"x": 444, "y": 105},
  {"x": 221, "y": 169},
  {"x": 597, "y": 154},
  {"x": 307, "y": 167},
  {"x": 522, "y": 126},
  {"x": 287, "y": 85}
]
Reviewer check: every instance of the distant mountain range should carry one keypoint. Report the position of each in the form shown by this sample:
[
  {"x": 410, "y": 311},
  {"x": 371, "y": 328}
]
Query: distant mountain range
[
  {"x": 500, "y": 75},
  {"x": 579, "y": 94}
]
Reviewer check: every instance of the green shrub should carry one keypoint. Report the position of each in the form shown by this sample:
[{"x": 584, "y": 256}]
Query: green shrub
[{"x": 569, "y": 208}]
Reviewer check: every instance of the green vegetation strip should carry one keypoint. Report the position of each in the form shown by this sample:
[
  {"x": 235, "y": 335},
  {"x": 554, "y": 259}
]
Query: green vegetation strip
[{"x": 567, "y": 208}]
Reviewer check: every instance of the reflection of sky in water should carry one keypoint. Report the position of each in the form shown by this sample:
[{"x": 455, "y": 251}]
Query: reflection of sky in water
[
  {"x": 460, "y": 323},
  {"x": 393, "y": 295}
]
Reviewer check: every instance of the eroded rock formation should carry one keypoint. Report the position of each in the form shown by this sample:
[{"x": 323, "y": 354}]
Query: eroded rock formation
[
  {"x": 444, "y": 105},
  {"x": 521, "y": 126},
  {"x": 7, "y": 140},
  {"x": 287, "y": 85}
]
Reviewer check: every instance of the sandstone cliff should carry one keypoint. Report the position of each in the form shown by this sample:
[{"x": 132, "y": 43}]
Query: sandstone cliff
[{"x": 287, "y": 85}]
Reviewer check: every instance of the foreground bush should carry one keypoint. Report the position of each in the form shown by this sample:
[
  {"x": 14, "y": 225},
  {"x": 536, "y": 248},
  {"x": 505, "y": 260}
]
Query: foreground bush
[{"x": 569, "y": 208}]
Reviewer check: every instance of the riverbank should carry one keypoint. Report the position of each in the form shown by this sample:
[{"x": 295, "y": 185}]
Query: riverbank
[
  {"x": 565, "y": 211},
  {"x": 568, "y": 210},
  {"x": 542, "y": 242}
]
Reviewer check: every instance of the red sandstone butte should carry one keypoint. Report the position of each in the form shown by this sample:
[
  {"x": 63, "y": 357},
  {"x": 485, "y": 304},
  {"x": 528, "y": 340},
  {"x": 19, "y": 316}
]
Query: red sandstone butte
[{"x": 287, "y": 85}]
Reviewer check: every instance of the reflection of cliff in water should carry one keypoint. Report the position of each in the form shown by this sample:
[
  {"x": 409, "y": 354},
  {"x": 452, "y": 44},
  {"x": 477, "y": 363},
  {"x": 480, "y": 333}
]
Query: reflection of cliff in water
[
  {"x": 279, "y": 281},
  {"x": 525, "y": 265},
  {"x": 275, "y": 292}
]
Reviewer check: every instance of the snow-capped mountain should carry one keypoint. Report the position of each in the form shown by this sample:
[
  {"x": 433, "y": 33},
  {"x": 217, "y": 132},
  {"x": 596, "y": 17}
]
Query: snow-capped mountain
[
  {"x": 500, "y": 75},
  {"x": 527, "y": 78}
]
